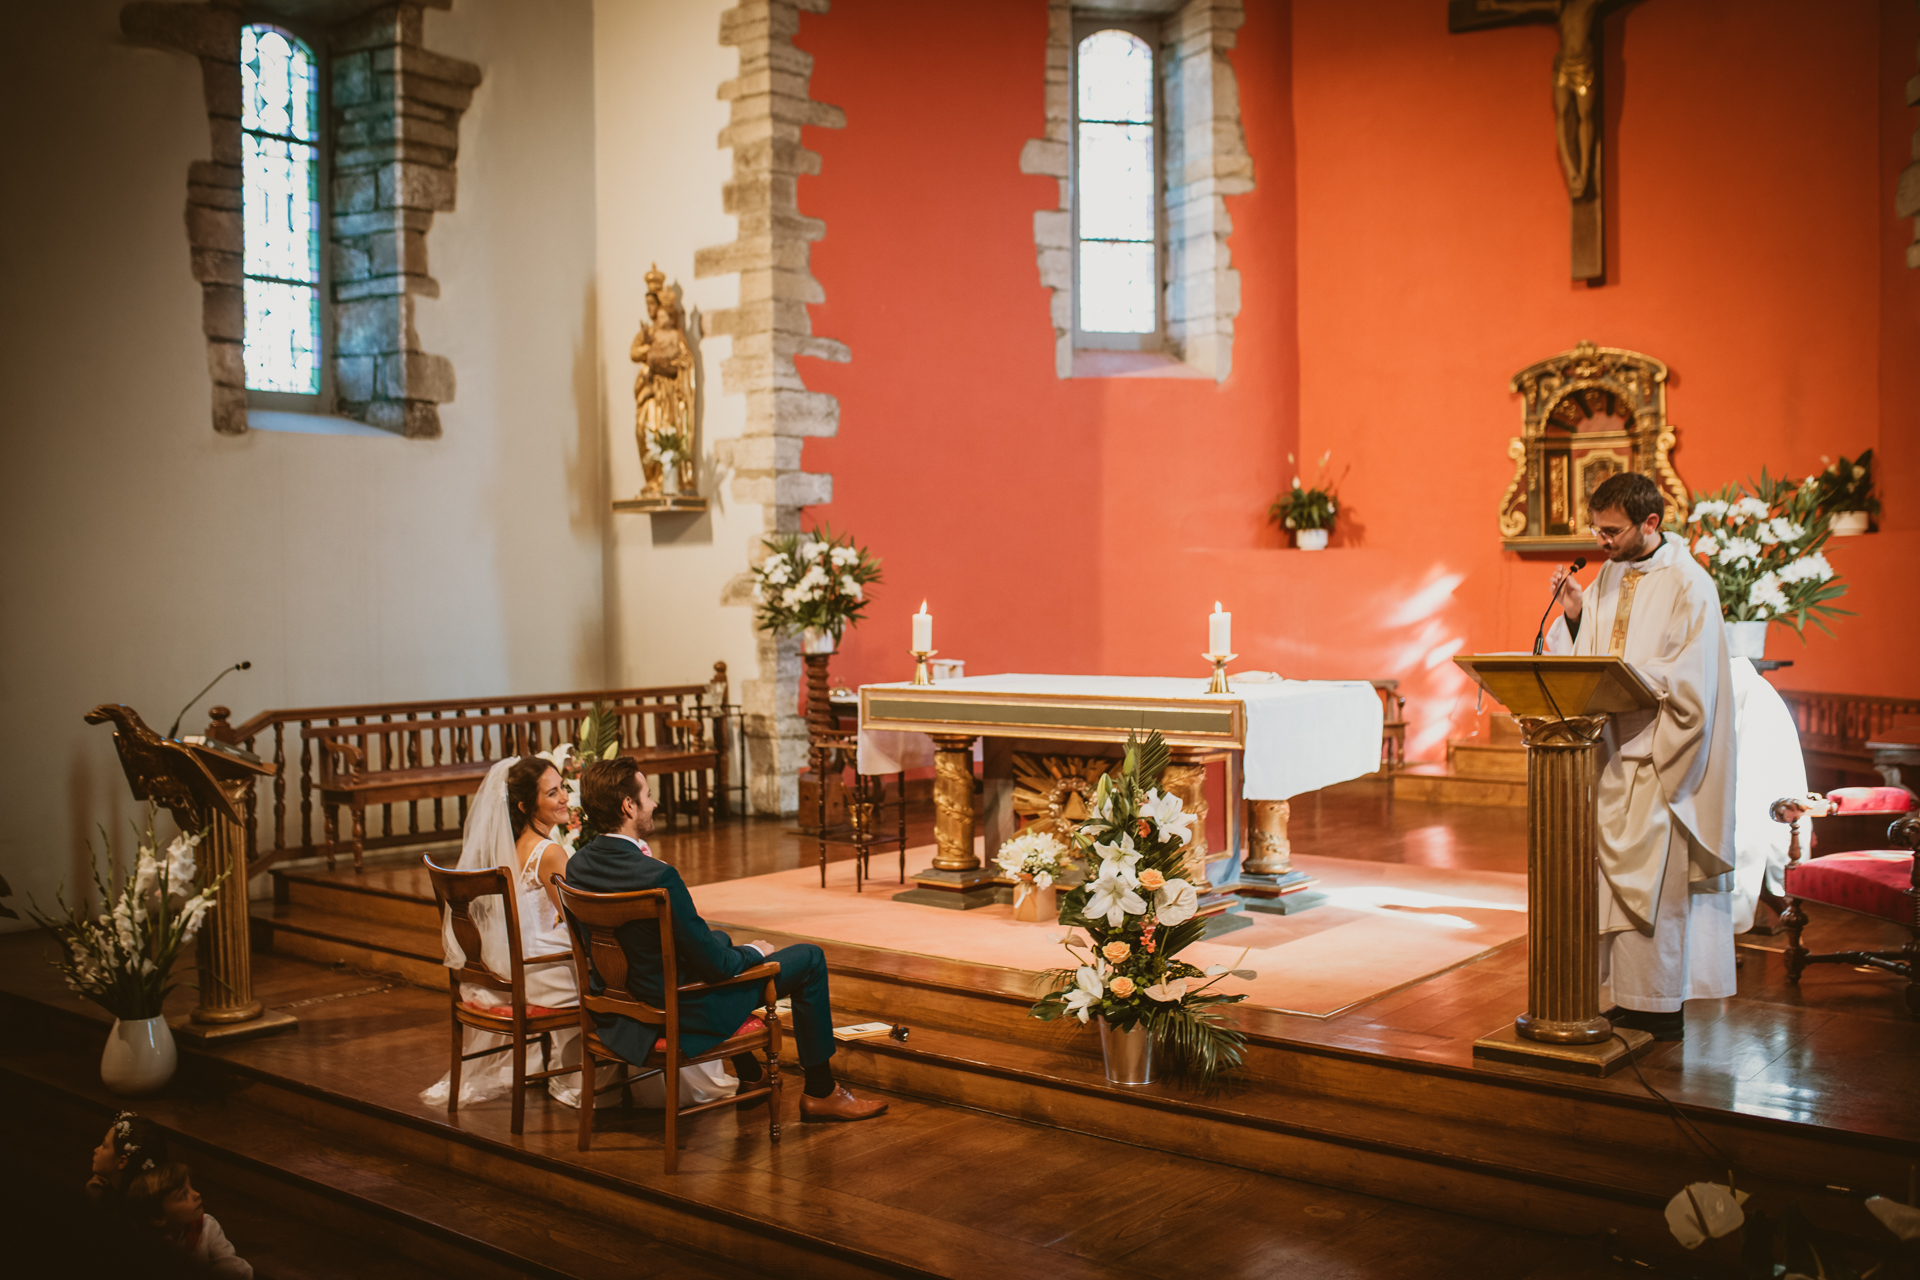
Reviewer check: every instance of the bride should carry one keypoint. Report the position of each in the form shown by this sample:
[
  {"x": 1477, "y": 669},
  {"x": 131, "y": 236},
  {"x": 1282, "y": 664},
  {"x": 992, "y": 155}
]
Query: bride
[{"x": 511, "y": 824}]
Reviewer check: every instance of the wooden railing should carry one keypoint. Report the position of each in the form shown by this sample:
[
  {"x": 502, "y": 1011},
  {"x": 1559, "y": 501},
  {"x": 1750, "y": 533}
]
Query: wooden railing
[
  {"x": 1835, "y": 727},
  {"x": 282, "y": 819}
]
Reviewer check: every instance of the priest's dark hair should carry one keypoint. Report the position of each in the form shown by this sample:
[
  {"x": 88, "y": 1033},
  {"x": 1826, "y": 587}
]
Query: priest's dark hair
[
  {"x": 603, "y": 785},
  {"x": 1629, "y": 491},
  {"x": 523, "y": 790}
]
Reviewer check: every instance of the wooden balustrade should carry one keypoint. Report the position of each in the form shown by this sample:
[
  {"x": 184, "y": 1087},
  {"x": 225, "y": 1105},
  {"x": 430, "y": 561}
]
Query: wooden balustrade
[
  {"x": 281, "y": 813},
  {"x": 1835, "y": 728}
]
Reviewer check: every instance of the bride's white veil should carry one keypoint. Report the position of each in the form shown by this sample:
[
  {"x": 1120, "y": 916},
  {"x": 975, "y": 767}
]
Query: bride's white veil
[{"x": 488, "y": 842}]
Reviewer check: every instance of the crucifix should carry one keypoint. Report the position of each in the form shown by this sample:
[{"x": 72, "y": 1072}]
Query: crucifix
[{"x": 1576, "y": 104}]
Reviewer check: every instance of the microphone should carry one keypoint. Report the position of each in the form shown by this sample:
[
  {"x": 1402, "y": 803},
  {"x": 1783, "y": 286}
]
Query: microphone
[
  {"x": 1540, "y": 636},
  {"x": 238, "y": 666}
]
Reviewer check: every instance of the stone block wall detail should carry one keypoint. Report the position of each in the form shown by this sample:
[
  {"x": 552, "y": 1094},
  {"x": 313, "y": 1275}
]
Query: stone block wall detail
[
  {"x": 1204, "y": 159},
  {"x": 769, "y": 106},
  {"x": 394, "y": 116},
  {"x": 1906, "y": 198}
]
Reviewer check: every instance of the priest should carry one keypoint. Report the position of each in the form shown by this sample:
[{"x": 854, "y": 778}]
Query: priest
[{"x": 1665, "y": 797}]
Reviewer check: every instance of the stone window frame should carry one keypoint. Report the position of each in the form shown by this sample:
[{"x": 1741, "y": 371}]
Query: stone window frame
[
  {"x": 1204, "y": 160},
  {"x": 389, "y": 142},
  {"x": 1087, "y": 23}
]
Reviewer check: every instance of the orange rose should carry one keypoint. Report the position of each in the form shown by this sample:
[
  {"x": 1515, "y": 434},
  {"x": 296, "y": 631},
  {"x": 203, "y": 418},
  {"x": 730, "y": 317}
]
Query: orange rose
[
  {"x": 1151, "y": 880},
  {"x": 1115, "y": 952},
  {"x": 1121, "y": 986}
]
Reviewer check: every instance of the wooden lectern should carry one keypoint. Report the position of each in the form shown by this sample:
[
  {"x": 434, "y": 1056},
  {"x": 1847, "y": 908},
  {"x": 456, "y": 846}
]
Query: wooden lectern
[
  {"x": 1562, "y": 705},
  {"x": 205, "y": 784}
]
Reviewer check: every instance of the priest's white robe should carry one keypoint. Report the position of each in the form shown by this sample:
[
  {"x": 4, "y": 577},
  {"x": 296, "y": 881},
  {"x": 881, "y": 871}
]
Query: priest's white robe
[
  {"x": 1769, "y": 768},
  {"x": 1665, "y": 798}
]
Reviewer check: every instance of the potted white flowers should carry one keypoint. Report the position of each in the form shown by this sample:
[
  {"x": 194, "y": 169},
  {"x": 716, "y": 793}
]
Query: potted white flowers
[
  {"x": 813, "y": 584},
  {"x": 1844, "y": 491},
  {"x": 1140, "y": 912},
  {"x": 1763, "y": 551},
  {"x": 122, "y": 958},
  {"x": 1308, "y": 512},
  {"x": 1035, "y": 860}
]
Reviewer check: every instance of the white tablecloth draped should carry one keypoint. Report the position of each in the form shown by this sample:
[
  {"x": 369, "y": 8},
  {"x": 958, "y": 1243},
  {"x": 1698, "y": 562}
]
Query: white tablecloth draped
[{"x": 1301, "y": 734}]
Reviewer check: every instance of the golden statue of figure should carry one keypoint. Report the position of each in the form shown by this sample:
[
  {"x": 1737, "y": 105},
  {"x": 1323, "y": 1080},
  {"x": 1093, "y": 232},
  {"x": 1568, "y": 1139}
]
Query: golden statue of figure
[
  {"x": 1574, "y": 72},
  {"x": 663, "y": 391}
]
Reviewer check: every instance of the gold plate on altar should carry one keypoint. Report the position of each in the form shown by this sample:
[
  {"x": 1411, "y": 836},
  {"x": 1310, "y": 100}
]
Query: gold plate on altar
[{"x": 1184, "y": 722}]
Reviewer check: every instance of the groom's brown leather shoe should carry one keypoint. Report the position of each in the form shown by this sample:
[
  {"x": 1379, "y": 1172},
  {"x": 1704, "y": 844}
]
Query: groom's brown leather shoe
[{"x": 839, "y": 1105}]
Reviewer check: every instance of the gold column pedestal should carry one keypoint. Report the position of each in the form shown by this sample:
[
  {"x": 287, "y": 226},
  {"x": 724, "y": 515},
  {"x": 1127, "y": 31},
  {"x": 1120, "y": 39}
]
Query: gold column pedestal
[
  {"x": 1269, "y": 852},
  {"x": 956, "y": 879},
  {"x": 1562, "y": 1028}
]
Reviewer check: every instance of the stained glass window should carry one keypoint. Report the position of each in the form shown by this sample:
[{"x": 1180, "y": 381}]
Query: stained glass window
[
  {"x": 280, "y": 159},
  {"x": 1116, "y": 183}
]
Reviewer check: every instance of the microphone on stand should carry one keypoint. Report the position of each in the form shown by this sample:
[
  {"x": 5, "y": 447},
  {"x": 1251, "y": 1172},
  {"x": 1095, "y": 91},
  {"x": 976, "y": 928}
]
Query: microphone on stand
[
  {"x": 238, "y": 666},
  {"x": 1540, "y": 636}
]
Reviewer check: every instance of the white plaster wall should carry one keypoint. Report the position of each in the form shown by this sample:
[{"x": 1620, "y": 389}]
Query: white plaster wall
[
  {"x": 659, "y": 173},
  {"x": 143, "y": 551}
]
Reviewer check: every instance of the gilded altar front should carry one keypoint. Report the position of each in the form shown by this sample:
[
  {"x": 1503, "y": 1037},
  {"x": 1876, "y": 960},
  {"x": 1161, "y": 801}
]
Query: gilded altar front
[{"x": 1585, "y": 415}]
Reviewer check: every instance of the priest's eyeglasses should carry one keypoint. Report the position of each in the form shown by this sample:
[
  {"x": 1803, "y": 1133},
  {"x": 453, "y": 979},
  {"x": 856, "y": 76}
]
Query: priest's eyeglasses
[{"x": 1606, "y": 534}]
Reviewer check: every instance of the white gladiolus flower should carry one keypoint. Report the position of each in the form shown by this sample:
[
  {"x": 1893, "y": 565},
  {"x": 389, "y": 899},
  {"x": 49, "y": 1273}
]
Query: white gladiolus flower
[
  {"x": 1740, "y": 551},
  {"x": 810, "y": 551},
  {"x": 848, "y": 587},
  {"x": 1785, "y": 530},
  {"x": 1808, "y": 568},
  {"x": 180, "y": 864},
  {"x": 1086, "y": 992},
  {"x": 1709, "y": 507},
  {"x": 1168, "y": 814},
  {"x": 1113, "y": 896},
  {"x": 845, "y": 555},
  {"x": 1706, "y": 546},
  {"x": 1748, "y": 509},
  {"x": 1175, "y": 902},
  {"x": 146, "y": 876},
  {"x": 1766, "y": 593}
]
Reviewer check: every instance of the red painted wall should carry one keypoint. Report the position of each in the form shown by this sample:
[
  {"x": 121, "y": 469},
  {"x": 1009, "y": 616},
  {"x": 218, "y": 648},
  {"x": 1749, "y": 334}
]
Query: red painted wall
[{"x": 1403, "y": 252}]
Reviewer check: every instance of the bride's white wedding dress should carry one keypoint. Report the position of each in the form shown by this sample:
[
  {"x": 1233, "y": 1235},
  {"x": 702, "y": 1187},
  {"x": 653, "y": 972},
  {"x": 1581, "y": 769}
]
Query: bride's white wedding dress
[{"x": 489, "y": 842}]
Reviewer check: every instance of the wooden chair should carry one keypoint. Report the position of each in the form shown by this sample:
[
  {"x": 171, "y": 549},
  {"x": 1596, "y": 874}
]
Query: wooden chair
[
  {"x": 597, "y": 920},
  {"x": 1883, "y": 882},
  {"x": 1393, "y": 725},
  {"x": 456, "y": 892}
]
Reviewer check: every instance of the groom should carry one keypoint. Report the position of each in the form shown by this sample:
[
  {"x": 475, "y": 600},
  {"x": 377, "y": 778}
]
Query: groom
[{"x": 620, "y": 804}]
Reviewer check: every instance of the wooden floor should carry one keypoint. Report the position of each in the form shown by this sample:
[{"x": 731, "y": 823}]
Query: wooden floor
[{"x": 1004, "y": 1154}]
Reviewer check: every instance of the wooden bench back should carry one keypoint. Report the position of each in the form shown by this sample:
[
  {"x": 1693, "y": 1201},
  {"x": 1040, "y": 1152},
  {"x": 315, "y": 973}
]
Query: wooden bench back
[
  {"x": 456, "y": 892},
  {"x": 601, "y": 917}
]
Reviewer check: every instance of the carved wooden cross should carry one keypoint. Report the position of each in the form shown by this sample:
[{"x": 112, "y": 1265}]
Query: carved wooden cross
[{"x": 1576, "y": 104}]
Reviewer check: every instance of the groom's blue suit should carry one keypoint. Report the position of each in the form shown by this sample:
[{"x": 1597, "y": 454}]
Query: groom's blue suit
[{"x": 614, "y": 864}]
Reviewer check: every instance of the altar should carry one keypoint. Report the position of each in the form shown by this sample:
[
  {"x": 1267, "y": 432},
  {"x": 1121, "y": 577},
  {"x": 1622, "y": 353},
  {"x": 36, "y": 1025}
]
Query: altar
[{"x": 1272, "y": 739}]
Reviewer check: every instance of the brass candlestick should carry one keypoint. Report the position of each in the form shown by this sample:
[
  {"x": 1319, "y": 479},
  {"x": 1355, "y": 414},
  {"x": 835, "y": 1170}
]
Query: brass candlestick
[
  {"x": 1219, "y": 661},
  {"x": 920, "y": 673}
]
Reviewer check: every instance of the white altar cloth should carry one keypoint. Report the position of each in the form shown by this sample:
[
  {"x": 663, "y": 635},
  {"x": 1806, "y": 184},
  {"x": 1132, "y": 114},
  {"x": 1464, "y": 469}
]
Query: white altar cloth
[{"x": 1301, "y": 735}]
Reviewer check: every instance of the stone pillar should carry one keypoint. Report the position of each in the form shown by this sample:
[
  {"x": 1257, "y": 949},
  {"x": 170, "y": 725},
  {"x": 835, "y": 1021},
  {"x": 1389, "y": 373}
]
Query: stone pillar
[{"x": 769, "y": 106}]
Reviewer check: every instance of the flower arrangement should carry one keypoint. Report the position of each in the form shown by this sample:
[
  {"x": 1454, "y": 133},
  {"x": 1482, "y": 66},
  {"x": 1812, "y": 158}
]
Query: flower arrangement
[
  {"x": 122, "y": 959},
  {"x": 1139, "y": 914},
  {"x": 1846, "y": 485},
  {"x": 667, "y": 444},
  {"x": 1763, "y": 551},
  {"x": 599, "y": 739},
  {"x": 1306, "y": 508},
  {"x": 813, "y": 582},
  {"x": 1036, "y": 856}
]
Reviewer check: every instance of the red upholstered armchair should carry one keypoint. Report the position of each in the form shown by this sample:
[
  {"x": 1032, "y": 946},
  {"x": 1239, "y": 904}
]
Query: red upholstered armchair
[{"x": 1882, "y": 882}]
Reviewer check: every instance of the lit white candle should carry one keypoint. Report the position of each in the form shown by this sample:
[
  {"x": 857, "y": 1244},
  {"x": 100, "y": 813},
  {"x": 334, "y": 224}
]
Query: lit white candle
[
  {"x": 923, "y": 630},
  {"x": 1219, "y": 631}
]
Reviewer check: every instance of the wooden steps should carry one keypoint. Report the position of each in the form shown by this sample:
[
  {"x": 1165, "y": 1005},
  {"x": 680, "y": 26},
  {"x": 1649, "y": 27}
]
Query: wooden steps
[{"x": 1489, "y": 771}]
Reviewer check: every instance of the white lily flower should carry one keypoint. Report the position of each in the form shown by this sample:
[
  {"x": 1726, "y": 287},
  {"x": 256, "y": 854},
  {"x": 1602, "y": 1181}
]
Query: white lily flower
[
  {"x": 1120, "y": 857},
  {"x": 1168, "y": 992},
  {"x": 1168, "y": 814},
  {"x": 1175, "y": 902},
  {"x": 1113, "y": 896},
  {"x": 1086, "y": 992}
]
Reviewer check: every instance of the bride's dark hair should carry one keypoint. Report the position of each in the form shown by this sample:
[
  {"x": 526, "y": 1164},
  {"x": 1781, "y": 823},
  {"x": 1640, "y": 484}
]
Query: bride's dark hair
[{"x": 523, "y": 790}]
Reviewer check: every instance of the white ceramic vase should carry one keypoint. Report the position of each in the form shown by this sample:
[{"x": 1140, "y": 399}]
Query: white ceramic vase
[
  {"x": 1747, "y": 640},
  {"x": 816, "y": 640},
  {"x": 139, "y": 1056},
  {"x": 1310, "y": 539},
  {"x": 1848, "y": 524}
]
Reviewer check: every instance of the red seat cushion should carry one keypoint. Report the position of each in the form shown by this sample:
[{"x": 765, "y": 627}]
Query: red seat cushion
[
  {"x": 1871, "y": 799},
  {"x": 1872, "y": 882},
  {"x": 506, "y": 1010}
]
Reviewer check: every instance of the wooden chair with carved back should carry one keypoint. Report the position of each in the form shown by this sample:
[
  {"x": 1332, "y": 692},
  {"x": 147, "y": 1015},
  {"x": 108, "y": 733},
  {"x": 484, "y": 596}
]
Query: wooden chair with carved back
[
  {"x": 597, "y": 920},
  {"x": 522, "y": 1024},
  {"x": 1867, "y": 877}
]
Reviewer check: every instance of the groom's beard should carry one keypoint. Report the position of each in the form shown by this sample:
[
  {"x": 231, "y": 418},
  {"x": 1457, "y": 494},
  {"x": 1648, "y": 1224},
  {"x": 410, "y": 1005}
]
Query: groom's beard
[{"x": 644, "y": 825}]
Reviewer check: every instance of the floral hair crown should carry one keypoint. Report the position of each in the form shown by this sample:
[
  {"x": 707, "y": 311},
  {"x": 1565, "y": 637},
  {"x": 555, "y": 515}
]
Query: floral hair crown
[{"x": 123, "y": 1130}]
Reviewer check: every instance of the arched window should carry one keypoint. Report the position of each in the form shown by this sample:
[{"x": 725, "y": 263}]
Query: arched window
[
  {"x": 1116, "y": 206},
  {"x": 280, "y": 170}
]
